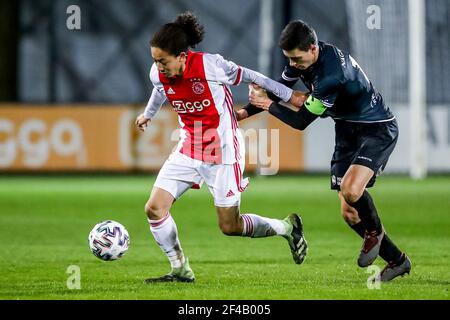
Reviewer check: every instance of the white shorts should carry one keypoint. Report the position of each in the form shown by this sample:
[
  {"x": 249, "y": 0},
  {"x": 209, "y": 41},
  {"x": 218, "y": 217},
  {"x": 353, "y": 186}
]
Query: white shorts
[{"x": 225, "y": 181}]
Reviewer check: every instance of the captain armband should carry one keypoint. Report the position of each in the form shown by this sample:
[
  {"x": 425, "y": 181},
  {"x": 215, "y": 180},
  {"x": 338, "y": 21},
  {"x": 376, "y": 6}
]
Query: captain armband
[{"x": 315, "y": 106}]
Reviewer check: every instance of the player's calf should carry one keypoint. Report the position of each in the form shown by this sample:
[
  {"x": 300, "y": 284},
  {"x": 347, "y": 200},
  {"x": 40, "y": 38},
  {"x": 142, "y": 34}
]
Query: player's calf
[
  {"x": 230, "y": 222},
  {"x": 230, "y": 229}
]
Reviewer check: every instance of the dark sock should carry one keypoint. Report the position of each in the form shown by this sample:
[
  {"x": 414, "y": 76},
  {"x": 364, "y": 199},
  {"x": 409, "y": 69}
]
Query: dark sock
[
  {"x": 388, "y": 250},
  {"x": 359, "y": 228},
  {"x": 367, "y": 212}
]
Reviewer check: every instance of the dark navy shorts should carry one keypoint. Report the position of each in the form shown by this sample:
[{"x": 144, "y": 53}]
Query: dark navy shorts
[{"x": 366, "y": 144}]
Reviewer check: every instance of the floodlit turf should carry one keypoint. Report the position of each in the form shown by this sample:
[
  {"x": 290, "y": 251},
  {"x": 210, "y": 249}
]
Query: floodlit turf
[{"x": 45, "y": 221}]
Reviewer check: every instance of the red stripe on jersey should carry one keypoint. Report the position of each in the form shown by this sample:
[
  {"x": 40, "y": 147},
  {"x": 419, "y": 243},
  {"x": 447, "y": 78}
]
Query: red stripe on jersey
[
  {"x": 191, "y": 97},
  {"x": 234, "y": 125},
  {"x": 238, "y": 77},
  {"x": 233, "y": 116},
  {"x": 230, "y": 97}
]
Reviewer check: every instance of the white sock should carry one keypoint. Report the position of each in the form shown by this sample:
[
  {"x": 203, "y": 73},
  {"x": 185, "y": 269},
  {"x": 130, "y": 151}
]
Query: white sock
[
  {"x": 256, "y": 226},
  {"x": 166, "y": 235}
]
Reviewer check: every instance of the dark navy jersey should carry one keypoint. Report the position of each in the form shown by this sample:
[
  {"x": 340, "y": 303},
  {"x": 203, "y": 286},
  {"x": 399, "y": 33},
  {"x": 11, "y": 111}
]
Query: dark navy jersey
[{"x": 341, "y": 85}]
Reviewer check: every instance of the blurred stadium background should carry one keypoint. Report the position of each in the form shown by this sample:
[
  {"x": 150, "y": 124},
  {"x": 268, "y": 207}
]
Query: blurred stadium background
[
  {"x": 69, "y": 97},
  {"x": 68, "y": 101}
]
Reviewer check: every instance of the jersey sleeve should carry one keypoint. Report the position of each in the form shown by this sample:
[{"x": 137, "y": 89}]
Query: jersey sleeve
[
  {"x": 227, "y": 72},
  {"x": 157, "y": 97},
  {"x": 289, "y": 78},
  {"x": 221, "y": 70}
]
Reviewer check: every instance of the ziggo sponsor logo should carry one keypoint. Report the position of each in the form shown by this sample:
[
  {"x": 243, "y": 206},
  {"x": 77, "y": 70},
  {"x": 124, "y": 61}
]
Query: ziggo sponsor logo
[
  {"x": 37, "y": 140},
  {"x": 185, "y": 107}
]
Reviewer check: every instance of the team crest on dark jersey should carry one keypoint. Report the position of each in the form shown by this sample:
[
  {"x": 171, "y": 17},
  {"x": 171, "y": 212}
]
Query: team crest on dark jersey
[{"x": 198, "y": 88}]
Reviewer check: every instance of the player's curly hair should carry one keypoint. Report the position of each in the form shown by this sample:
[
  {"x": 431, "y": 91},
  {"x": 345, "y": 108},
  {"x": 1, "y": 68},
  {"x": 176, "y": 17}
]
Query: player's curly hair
[
  {"x": 178, "y": 36},
  {"x": 297, "y": 35}
]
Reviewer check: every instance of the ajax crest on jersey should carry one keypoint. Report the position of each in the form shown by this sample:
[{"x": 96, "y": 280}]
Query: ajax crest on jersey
[
  {"x": 109, "y": 240},
  {"x": 198, "y": 88}
]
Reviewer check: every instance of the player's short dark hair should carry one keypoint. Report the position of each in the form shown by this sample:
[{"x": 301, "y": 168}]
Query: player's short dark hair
[
  {"x": 178, "y": 36},
  {"x": 297, "y": 35}
]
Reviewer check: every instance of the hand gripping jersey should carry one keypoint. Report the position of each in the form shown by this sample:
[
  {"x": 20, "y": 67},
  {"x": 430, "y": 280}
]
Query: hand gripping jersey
[{"x": 204, "y": 103}]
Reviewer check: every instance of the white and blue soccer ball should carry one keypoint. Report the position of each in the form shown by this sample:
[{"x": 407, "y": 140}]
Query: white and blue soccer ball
[{"x": 109, "y": 240}]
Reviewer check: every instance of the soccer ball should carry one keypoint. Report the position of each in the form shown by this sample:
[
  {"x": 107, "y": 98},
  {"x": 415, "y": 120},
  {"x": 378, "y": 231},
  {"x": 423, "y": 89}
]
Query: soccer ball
[{"x": 109, "y": 240}]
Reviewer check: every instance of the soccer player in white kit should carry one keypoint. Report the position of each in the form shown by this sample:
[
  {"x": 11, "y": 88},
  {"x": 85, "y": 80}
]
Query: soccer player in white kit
[{"x": 211, "y": 148}]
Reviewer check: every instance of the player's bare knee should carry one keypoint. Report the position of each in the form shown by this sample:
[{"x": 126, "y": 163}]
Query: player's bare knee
[
  {"x": 154, "y": 211},
  {"x": 350, "y": 192}
]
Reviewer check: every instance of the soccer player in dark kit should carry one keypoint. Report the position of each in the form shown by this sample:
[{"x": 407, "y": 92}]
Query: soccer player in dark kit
[{"x": 366, "y": 132}]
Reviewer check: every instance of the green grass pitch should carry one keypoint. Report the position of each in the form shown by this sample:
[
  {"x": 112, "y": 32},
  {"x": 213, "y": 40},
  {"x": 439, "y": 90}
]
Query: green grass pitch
[{"x": 45, "y": 221}]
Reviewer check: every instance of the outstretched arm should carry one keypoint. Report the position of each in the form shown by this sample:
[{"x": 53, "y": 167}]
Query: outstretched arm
[
  {"x": 249, "y": 110},
  {"x": 297, "y": 119},
  {"x": 289, "y": 78},
  {"x": 229, "y": 73},
  {"x": 280, "y": 90}
]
